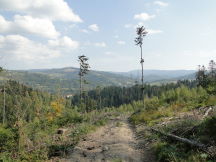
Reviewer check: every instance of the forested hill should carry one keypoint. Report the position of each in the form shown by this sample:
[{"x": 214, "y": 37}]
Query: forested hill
[
  {"x": 66, "y": 80},
  {"x": 161, "y": 75}
]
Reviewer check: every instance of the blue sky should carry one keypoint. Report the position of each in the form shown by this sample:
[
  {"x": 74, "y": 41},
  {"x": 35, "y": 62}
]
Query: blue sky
[{"x": 52, "y": 33}]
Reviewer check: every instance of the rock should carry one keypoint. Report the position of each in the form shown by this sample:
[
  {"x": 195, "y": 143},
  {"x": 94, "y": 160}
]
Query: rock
[{"x": 105, "y": 148}]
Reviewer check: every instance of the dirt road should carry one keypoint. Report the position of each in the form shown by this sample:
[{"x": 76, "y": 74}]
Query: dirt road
[{"x": 114, "y": 142}]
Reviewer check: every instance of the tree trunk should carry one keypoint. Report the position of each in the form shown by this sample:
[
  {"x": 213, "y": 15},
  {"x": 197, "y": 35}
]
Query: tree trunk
[
  {"x": 183, "y": 140},
  {"x": 4, "y": 107},
  {"x": 142, "y": 79}
]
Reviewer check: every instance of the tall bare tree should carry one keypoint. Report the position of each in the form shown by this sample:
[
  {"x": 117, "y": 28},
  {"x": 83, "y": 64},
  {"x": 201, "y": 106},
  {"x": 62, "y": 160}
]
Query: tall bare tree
[
  {"x": 84, "y": 68},
  {"x": 141, "y": 33},
  {"x": 4, "y": 104}
]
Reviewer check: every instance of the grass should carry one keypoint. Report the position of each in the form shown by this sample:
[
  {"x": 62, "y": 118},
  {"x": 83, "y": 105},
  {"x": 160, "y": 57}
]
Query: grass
[
  {"x": 167, "y": 152},
  {"x": 164, "y": 109},
  {"x": 204, "y": 132}
]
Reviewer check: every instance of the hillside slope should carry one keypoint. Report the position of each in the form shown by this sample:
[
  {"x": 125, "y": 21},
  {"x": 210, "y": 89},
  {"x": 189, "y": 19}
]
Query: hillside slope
[
  {"x": 65, "y": 80},
  {"x": 161, "y": 75}
]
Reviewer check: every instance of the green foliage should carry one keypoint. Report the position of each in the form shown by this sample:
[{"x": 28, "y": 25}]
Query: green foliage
[
  {"x": 211, "y": 101},
  {"x": 7, "y": 139},
  {"x": 32, "y": 116},
  {"x": 101, "y": 122},
  {"x": 164, "y": 152},
  {"x": 204, "y": 132},
  {"x": 65, "y": 79},
  {"x": 150, "y": 116},
  {"x": 207, "y": 79},
  {"x": 167, "y": 152},
  {"x": 207, "y": 130},
  {"x": 69, "y": 116},
  {"x": 117, "y": 96},
  {"x": 171, "y": 101},
  {"x": 6, "y": 157}
]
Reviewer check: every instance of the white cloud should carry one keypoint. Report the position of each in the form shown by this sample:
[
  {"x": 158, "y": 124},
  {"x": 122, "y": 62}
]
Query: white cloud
[
  {"x": 84, "y": 31},
  {"x": 28, "y": 25},
  {"x": 64, "y": 42},
  {"x": 152, "y": 31},
  {"x": 94, "y": 27},
  {"x": 52, "y": 9},
  {"x": 4, "y": 25},
  {"x": 73, "y": 26},
  {"x": 143, "y": 16},
  {"x": 17, "y": 47},
  {"x": 160, "y": 3},
  {"x": 121, "y": 42},
  {"x": 100, "y": 44}
]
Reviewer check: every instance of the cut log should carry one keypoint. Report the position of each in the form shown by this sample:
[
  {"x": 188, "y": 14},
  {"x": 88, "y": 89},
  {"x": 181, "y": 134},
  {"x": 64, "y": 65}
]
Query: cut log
[
  {"x": 210, "y": 150},
  {"x": 207, "y": 112},
  {"x": 183, "y": 140}
]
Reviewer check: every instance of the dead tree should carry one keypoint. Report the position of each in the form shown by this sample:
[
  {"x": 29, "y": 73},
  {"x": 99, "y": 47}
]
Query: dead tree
[
  {"x": 141, "y": 33},
  {"x": 84, "y": 68},
  {"x": 4, "y": 103}
]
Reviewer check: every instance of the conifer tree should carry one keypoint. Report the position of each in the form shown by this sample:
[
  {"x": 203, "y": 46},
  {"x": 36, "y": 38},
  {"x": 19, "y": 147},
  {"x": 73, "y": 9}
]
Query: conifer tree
[
  {"x": 84, "y": 68},
  {"x": 141, "y": 33},
  {"x": 201, "y": 76},
  {"x": 212, "y": 69}
]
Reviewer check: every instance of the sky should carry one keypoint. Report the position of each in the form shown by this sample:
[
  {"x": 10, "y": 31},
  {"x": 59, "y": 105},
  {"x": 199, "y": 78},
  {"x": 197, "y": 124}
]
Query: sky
[{"x": 36, "y": 34}]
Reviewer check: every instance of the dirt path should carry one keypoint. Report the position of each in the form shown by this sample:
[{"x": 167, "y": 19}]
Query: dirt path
[{"x": 113, "y": 142}]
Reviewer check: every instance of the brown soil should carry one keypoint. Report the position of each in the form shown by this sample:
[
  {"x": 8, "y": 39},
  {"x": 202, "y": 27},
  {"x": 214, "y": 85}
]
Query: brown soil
[{"x": 115, "y": 142}]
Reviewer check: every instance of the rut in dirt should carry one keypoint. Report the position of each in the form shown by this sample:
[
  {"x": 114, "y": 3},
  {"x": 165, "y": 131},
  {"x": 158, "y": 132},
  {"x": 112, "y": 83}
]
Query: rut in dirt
[{"x": 114, "y": 142}]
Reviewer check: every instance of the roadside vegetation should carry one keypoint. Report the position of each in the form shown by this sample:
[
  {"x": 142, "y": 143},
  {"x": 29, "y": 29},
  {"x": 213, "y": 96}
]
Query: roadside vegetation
[
  {"x": 32, "y": 120},
  {"x": 39, "y": 126},
  {"x": 186, "y": 113}
]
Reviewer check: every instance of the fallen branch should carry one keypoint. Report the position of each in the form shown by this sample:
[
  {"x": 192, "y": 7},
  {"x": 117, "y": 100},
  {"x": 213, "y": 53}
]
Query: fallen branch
[
  {"x": 190, "y": 129},
  {"x": 211, "y": 151},
  {"x": 183, "y": 140},
  {"x": 207, "y": 113}
]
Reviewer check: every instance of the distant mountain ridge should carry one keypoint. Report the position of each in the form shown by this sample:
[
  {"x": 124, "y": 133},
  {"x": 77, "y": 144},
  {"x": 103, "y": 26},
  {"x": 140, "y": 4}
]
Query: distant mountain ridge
[
  {"x": 160, "y": 75},
  {"x": 66, "y": 80}
]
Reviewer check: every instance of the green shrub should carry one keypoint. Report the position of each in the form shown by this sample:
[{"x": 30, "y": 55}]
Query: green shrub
[
  {"x": 165, "y": 152},
  {"x": 207, "y": 130},
  {"x": 7, "y": 141},
  {"x": 211, "y": 101},
  {"x": 6, "y": 157},
  {"x": 150, "y": 116},
  {"x": 34, "y": 156},
  {"x": 101, "y": 122},
  {"x": 71, "y": 116}
]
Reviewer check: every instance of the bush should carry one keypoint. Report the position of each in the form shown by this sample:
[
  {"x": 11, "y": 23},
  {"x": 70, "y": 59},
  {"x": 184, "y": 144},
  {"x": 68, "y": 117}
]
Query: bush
[
  {"x": 150, "y": 116},
  {"x": 207, "y": 130},
  {"x": 211, "y": 101},
  {"x": 71, "y": 116},
  {"x": 6, "y": 157},
  {"x": 165, "y": 152},
  {"x": 7, "y": 141}
]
